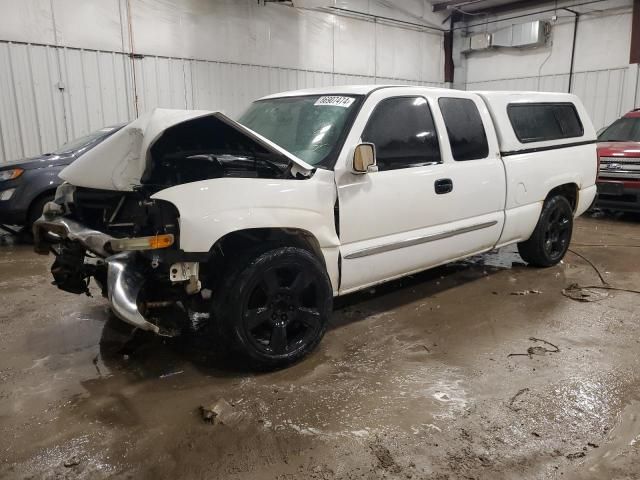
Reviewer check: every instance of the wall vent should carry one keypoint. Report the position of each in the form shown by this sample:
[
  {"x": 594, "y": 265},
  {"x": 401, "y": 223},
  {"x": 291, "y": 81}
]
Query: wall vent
[{"x": 522, "y": 35}]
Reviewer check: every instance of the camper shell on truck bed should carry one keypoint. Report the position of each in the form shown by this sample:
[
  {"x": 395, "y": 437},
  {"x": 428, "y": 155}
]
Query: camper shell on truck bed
[{"x": 256, "y": 224}]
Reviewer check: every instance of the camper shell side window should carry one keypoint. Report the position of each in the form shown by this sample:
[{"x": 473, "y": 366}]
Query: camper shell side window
[{"x": 538, "y": 122}]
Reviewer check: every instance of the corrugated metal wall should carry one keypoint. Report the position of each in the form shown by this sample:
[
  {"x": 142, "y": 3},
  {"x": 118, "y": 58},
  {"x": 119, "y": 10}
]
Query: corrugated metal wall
[
  {"x": 605, "y": 93},
  {"x": 54, "y": 94},
  {"x": 51, "y": 95}
]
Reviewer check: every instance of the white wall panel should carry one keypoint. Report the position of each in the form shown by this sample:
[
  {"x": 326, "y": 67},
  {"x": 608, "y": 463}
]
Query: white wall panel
[
  {"x": 355, "y": 47},
  {"x": 31, "y": 113},
  {"x": 37, "y": 116},
  {"x": 395, "y": 59},
  {"x": 603, "y": 92},
  {"x": 66, "y": 68},
  {"x": 602, "y": 77},
  {"x": 26, "y": 21},
  {"x": 235, "y": 31},
  {"x": 90, "y": 24}
]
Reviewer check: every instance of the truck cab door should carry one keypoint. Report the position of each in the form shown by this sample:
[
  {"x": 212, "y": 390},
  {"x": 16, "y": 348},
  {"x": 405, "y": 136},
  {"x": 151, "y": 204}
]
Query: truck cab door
[{"x": 421, "y": 207}]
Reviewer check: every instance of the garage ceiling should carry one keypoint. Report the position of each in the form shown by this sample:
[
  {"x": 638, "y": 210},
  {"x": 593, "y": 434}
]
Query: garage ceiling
[{"x": 483, "y": 6}]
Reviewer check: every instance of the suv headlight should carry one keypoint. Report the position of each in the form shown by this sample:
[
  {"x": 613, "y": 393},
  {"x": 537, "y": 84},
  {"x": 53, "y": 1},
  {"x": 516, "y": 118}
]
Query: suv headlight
[{"x": 10, "y": 174}]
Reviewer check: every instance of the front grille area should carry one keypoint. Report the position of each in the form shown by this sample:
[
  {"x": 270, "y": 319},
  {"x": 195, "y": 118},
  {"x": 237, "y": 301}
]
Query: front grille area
[
  {"x": 123, "y": 214},
  {"x": 620, "y": 167}
]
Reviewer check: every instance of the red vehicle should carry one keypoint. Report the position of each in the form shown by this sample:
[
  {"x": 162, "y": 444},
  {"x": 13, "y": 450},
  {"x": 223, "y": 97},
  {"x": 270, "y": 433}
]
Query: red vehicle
[{"x": 619, "y": 154}]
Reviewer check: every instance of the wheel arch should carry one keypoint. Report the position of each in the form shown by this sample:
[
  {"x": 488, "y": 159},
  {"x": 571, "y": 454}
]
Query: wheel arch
[
  {"x": 568, "y": 190},
  {"x": 234, "y": 243},
  {"x": 37, "y": 198},
  {"x": 248, "y": 237}
]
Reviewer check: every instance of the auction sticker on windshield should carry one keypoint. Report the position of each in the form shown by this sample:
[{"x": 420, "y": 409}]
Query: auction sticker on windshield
[{"x": 335, "y": 101}]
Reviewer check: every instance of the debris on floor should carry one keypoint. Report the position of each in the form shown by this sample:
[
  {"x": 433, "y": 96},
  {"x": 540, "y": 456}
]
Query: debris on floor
[
  {"x": 72, "y": 462},
  {"x": 573, "y": 456},
  {"x": 221, "y": 413},
  {"x": 526, "y": 292},
  {"x": 385, "y": 459},
  {"x": 512, "y": 403},
  {"x": 537, "y": 349},
  {"x": 584, "y": 294}
]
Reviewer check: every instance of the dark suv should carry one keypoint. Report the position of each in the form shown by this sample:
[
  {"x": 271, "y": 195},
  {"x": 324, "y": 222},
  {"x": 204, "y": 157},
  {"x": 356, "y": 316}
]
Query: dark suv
[{"x": 26, "y": 185}]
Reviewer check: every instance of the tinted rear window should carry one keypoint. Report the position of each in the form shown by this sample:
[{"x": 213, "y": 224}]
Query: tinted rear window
[
  {"x": 464, "y": 127},
  {"x": 538, "y": 122}
]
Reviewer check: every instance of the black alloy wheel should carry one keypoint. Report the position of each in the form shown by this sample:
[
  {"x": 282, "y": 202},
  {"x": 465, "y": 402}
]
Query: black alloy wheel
[
  {"x": 550, "y": 240},
  {"x": 558, "y": 232},
  {"x": 275, "y": 306},
  {"x": 283, "y": 310}
]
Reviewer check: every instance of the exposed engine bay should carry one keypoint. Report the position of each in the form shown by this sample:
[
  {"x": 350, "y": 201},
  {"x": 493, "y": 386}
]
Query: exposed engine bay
[
  {"x": 207, "y": 148},
  {"x": 122, "y": 214}
]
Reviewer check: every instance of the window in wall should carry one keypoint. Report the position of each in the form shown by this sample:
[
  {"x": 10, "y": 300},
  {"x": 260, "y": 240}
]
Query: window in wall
[
  {"x": 537, "y": 122},
  {"x": 466, "y": 133},
  {"x": 403, "y": 132}
]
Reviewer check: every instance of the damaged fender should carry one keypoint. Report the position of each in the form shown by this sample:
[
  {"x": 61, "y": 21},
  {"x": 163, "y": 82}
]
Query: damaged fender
[{"x": 211, "y": 209}]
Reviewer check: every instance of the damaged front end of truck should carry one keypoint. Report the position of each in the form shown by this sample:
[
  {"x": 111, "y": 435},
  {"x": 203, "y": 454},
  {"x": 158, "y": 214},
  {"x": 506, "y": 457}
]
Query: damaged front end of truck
[{"x": 105, "y": 223}]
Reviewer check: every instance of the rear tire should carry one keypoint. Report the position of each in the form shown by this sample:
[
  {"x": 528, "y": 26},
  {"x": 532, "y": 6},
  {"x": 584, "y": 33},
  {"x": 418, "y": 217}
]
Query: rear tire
[
  {"x": 274, "y": 306},
  {"x": 550, "y": 240}
]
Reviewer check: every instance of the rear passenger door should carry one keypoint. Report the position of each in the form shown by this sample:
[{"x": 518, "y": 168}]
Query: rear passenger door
[
  {"x": 475, "y": 165},
  {"x": 431, "y": 200}
]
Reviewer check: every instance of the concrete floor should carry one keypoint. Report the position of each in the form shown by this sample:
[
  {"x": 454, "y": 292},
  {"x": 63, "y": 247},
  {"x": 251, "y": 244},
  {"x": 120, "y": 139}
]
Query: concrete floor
[{"x": 413, "y": 380}]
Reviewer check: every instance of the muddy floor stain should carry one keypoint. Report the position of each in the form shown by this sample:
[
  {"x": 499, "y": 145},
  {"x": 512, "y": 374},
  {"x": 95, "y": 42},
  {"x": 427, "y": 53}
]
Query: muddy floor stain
[{"x": 415, "y": 379}]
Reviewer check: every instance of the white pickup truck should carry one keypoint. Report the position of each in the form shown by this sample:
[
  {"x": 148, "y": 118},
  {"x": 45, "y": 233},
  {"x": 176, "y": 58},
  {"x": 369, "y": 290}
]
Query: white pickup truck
[{"x": 256, "y": 224}]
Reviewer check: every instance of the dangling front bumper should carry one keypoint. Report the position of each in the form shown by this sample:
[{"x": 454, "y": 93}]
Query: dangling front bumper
[
  {"x": 124, "y": 278},
  {"x": 67, "y": 229}
]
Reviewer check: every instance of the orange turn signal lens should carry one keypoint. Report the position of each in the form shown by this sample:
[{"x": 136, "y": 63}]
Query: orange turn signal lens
[
  {"x": 142, "y": 243},
  {"x": 160, "y": 241}
]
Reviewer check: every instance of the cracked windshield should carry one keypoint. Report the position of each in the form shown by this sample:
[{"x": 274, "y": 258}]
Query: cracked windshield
[{"x": 309, "y": 127}]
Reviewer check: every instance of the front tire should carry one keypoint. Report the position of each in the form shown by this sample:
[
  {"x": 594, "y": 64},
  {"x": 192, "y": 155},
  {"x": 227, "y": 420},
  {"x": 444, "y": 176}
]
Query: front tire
[
  {"x": 274, "y": 306},
  {"x": 36, "y": 208},
  {"x": 34, "y": 213},
  {"x": 550, "y": 240}
]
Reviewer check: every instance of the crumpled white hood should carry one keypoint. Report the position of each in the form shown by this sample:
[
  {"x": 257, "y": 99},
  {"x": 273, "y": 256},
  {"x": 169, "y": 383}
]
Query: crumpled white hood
[{"x": 119, "y": 162}]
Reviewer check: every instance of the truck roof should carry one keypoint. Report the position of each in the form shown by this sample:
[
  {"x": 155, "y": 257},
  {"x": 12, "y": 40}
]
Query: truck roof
[
  {"x": 497, "y": 103},
  {"x": 366, "y": 89},
  {"x": 519, "y": 96},
  {"x": 344, "y": 90}
]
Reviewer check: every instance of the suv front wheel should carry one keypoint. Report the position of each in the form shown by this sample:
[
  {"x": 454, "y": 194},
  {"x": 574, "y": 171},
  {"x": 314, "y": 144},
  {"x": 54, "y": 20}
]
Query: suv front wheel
[{"x": 274, "y": 306}]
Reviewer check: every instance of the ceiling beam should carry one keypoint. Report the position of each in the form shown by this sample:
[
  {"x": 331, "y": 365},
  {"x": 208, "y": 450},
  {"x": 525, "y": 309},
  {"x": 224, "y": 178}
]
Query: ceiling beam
[
  {"x": 440, "y": 6},
  {"x": 475, "y": 6},
  {"x": 508, "y": 7}
]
